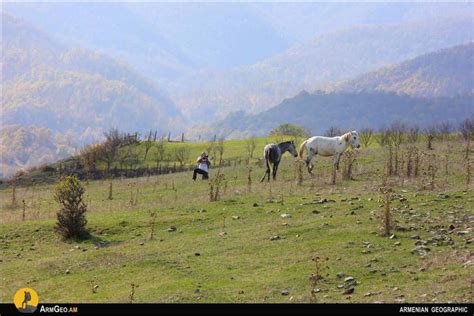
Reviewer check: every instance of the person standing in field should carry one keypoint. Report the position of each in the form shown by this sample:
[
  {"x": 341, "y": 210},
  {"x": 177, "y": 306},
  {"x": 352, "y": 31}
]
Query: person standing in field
[{"x": 203, "y": 167}]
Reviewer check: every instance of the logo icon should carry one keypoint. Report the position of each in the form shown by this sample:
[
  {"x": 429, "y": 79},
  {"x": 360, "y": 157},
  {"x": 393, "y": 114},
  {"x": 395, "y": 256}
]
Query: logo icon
[{"x": 26, "y": 300}]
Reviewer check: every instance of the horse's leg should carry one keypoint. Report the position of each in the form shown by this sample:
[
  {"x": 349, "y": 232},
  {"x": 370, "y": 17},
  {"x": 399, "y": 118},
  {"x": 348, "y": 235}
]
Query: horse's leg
[
  {"x": 309, "y": 159},
  {"x": 275, "y": 170},
  {"x": 335, "y": 167},
  {"x": 266, "y": 172}
]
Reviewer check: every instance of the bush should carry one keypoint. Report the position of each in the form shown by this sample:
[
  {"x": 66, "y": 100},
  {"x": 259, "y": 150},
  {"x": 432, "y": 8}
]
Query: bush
[
  {"x": 71, "y": 220},
  {"x": 290, "y": 130}
]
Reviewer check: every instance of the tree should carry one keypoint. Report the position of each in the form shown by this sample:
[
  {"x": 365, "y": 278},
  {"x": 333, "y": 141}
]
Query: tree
[
  {"x": 181, "y": 154},
  {"x": 431, "y": 132},
  {"x": 113, "y": 141},
  {"x": 220, "y": 149},
  {"x": 148, "y": 143},
  {"x": 289, "y": 130},
  {"x": 413, "y": 133},
  {"x": 250, "y": 146},
  {"x": 71, "y": 219},
  {"x": 333, "y": 131},
  {"x": 160, "y": 150},
  {"x": 89, "y": 155},
  {"x": 365, "y": 136},
  {"x": 467, "y": 129}
]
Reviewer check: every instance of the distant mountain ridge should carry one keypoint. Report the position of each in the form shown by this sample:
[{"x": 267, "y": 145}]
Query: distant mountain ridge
[
  {"x": 447, "y": 72},
  {"x": 319, "y": 111},
  {"x": 433, "y": 87},
  {"x": 328, "y": 58}
]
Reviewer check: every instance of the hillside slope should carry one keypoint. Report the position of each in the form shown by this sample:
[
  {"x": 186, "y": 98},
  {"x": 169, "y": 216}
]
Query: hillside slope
[
  {"x": 448, "y": 72},
  {"x": 48, "y": 85},
  {"x": 319, "y": 111},
  {"x": 331, "y": 57}
]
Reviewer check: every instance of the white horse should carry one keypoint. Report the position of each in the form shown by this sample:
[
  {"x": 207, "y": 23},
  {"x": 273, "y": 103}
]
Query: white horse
[{"x": 328, "y": 146}]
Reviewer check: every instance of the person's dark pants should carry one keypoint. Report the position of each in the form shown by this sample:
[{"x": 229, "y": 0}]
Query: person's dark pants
[{"x": 205, "y": 175}]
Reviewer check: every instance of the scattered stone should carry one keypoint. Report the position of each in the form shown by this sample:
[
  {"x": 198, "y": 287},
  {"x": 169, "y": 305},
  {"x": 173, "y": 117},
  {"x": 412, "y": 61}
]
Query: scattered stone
[
  {"x": 420, "y": 250},
  {"x": 397, "y": 243},
  {"x": 256, "y": 205},
  {"x": 285, "y": 215},
  {"x": 67, "y": 271},
  {"x": 171, "y": 229},
  {"x": 401, "y": 229},
  {"x": 316, "y": 212},
  {"x": 348, "y": 291},
  {"x": 393, "y": 236},
  {"x": 235, "y": 217},
  {"x": 415, "y": 236},
  {"x": 142, "y": 243},
  {"x": 340, "y": 275},
  {"x": 275, "y": 237},
  {"x": 463, "y": 232},
  {"x": 197, "y": 254},
  {"x": 452, "y": 227},
  {"x": 285, "y": 292},
  {"x": 222, "y": 234}
]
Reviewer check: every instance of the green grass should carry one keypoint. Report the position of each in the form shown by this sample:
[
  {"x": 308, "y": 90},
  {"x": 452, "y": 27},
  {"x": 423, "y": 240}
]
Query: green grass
[{"x": 244, "y": 265}]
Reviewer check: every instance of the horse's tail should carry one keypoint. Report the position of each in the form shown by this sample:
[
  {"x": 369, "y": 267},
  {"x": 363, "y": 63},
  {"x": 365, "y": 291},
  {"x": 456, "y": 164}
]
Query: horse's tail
[{"x": 302, "y": 148}]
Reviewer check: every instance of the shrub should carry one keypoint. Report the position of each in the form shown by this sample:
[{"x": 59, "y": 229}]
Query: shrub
[
  {"x": 71, "y": 220},
  {"x": 290, "y": 130}
]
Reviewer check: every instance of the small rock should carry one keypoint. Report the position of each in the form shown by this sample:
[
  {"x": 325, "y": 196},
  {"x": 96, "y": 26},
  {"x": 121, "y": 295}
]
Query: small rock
[
  {"x": 340, "y": 275},
  {"x": 256, "y": 205},
  {"x": 222, "y": 234},
  {"x": 393, "y": 236},
  {"x": 415, "y": 236},
  {"x": 171, "y": 229},
  {"x": 285, "y": 292},
  {"x": 142, "y": 243},
  {"x": 67, "y": 271},
  {"x": 275, "y": 237},
  {"x": 235, "y": 217},
  {"x": 348, "y": 291},
  {"x": 285, "y": 215},
  {"x": 197, "y": 254}
]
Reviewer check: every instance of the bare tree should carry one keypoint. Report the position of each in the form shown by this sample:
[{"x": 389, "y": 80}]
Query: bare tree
[
  {"x": 112, "y": 143},
  {"x": 160, "y": 150},
  {"x": 444, "y": 130},
  {"x": 366, "y": 136},
  {"x": 220, "y": 149},
  {"x": 467, "y": 129},
  {"x": 181, "y": 154},
  {"x": 250, "y": 145},
  {"x": 384, "y": 137},
  {"x": 397, "y": 131},
  {"x": 333, "y": 131},
  {"x": 431, "y": 132},
  {"x": 148, "y": 142},
  {"x": 413, "y": 133}
]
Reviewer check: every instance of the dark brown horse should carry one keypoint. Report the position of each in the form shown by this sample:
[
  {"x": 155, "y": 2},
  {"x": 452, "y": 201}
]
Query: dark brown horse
[{"x": 272, "y": 154}]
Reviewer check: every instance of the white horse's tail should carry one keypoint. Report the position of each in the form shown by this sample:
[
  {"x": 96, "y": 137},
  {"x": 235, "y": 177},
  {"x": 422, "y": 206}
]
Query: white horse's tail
[{"x": 302, "y": 148}]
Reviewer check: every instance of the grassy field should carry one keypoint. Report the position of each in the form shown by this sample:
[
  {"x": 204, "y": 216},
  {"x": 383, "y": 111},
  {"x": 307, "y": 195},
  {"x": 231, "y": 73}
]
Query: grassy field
[{"x": 258, "y": 242}]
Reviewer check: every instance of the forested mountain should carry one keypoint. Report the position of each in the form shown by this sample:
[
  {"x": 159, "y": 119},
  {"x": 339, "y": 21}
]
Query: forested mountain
[
  {"x": 327, "y": 58},
  {"x": 218, "y": 57},
  {"x": 320, "y": 110},
  {"x": 447, "y": 72},
  {"x": 48, "y": 85}
]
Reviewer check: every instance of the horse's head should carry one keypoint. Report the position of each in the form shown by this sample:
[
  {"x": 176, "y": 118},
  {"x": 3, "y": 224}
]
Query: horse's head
[
  {"x": 354, "y": 139},
  {"x": 292, "y": 149}
]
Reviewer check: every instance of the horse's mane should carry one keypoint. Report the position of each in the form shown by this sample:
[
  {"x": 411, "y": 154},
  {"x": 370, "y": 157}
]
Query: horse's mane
[{"x": 346, "y": 136}]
